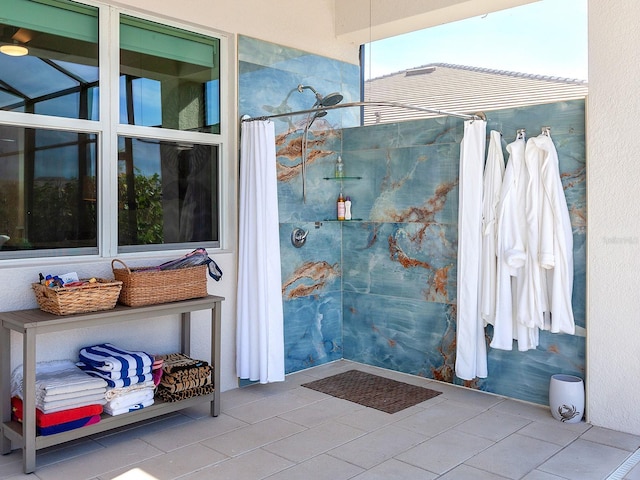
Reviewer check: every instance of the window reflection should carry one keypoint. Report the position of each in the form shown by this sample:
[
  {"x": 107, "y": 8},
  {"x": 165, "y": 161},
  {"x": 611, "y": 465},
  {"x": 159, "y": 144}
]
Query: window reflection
[
  {"x": 47, "y": 189},
  {"x": 167, "y": 192},
  {"x": 169, "y": 78},
  {"x": 59, "y": 75}
]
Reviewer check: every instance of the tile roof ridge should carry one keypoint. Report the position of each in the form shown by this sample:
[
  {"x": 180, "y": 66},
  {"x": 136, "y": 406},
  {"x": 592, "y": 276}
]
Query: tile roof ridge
[{"x": 508, "y": 73}]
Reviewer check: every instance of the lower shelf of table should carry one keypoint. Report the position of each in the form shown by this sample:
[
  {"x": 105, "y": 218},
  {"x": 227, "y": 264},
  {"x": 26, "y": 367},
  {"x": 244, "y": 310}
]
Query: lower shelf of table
[{"x": 13, "y": 430}]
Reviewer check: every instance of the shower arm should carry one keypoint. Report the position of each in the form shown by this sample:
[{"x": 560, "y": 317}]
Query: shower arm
[{"x": 477, "y": 116}]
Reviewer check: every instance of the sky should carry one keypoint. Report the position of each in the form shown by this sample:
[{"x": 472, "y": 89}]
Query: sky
[{"x": 548, "y": 37}]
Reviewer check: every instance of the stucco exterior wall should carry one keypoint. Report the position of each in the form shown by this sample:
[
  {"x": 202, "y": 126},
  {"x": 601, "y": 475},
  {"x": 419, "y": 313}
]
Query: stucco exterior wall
[{"x": 613, "y": 206}]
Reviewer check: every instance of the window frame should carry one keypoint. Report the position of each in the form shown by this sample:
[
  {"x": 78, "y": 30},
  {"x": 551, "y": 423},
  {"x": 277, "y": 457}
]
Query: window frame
[{"x": 108, "y": 129}]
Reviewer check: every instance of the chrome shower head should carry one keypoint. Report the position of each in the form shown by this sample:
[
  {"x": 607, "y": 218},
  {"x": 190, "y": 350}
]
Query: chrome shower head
[
  {"x": 318, "y": 114},
  {"x": 328, "y": 101}
]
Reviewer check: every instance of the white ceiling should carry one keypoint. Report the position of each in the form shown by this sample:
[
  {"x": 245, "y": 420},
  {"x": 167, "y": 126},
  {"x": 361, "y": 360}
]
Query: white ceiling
[{"x": 364, "y": 21}]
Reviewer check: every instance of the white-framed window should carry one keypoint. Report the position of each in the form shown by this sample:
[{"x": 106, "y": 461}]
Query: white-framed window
[{"x": 107, "y": 150}]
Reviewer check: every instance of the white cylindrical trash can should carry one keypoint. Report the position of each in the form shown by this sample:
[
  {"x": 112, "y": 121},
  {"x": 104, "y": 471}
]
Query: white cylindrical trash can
[{"x": 566, "y": 398}]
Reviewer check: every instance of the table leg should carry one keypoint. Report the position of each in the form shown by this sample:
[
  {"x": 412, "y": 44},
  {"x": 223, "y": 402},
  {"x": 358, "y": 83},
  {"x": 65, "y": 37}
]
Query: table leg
[
  {"x": 29, "y": 401},
  {"x": 185, "y": 334},
  {"x": 5, "y": 386},
  {"x": 216, "y": 328}
]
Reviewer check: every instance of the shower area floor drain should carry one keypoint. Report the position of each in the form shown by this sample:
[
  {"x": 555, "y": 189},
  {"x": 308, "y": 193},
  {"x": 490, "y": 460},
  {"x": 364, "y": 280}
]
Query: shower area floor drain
[{"x": 631, "y": 461}]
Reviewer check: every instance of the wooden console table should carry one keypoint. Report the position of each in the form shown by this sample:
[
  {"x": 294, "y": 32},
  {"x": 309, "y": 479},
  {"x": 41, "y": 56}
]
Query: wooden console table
[{"x": 31, "y": 323}]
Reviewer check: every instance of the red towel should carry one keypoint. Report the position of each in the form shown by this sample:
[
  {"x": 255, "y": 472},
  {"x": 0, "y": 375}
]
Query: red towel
[
  {"x": 55, "y": 418},
  {"x": 65, "y": 427}
]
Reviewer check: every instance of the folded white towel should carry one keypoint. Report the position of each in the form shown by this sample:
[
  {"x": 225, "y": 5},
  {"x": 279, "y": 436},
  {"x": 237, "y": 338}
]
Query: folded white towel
[
  {"x": 83, "y": 401},
  {"x": 44, "y": 397},
  {"x": 132, "y": 398},
  {"x": 56, "y": 377},
  {"x": 112, "y": 393},
  {"x": 131, "y": 408}
]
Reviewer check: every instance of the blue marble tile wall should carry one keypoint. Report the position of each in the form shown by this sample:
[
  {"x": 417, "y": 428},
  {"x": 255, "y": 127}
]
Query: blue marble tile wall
[
  {"x": 269, "y": 75},
  {"x": 382, "y": 289},
  {"x": 399, "y": 263}
]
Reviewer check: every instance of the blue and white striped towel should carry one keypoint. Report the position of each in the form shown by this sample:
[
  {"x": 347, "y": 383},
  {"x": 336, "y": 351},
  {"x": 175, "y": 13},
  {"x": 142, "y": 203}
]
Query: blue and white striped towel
[
  {"x": 115, "y": 374},
  {"x": 119, "y": 383},
  {"x": 107, "y": 357}
]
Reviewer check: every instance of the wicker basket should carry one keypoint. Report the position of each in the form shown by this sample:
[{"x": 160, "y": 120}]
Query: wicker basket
[
  {"x": 92, "y": 297},
  {"x": 149, "y": 286}
]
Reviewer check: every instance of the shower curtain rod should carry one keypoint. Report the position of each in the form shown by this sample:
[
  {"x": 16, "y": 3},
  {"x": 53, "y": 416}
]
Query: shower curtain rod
[{"x": 247, "y": 118}]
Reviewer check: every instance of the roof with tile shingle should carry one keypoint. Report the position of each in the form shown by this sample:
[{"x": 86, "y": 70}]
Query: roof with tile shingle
[{"x": 463, "y": 89}]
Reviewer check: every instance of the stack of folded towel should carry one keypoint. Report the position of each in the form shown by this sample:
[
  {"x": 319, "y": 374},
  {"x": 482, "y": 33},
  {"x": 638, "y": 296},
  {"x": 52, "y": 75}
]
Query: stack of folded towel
[
  {"x": 62, "y": 421},
  {"x": 183, "y": 377},
  {"x": 66, "y": 397},
  {"x": 128, "y": 375}
]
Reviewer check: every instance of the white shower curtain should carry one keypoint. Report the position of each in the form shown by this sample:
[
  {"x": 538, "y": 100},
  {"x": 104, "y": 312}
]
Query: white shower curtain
[
  {"x": 260, "y": 332},
  {"x": 471, "y": 348}
]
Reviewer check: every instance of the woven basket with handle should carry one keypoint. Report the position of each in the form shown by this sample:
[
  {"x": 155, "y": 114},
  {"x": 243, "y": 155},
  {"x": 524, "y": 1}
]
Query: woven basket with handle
[
  {"x": 150, "y": 286},
  {"x": 90, "y": 297}
]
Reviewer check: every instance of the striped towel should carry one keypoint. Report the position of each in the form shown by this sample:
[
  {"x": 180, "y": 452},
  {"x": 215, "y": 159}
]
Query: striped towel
[
  {"x": 119, "y": 383},
  {"x": 106, "y": 357},
  {"x": 115, "y": 374}
]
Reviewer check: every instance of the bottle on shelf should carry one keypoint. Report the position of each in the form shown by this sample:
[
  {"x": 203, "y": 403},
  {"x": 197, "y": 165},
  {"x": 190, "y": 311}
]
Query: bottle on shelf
[
  {"x": 339, "y": 168},
  {"x": 340, "y": 206},
  {"x": 347, "y": 208}
]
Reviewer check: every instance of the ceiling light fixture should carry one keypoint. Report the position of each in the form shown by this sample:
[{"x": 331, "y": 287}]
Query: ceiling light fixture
[{"x": 14, "y": 50}]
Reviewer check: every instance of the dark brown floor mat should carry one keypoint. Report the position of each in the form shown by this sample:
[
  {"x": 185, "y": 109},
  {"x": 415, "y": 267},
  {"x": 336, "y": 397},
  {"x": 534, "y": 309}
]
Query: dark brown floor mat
[{"x": 373, "y": 391}]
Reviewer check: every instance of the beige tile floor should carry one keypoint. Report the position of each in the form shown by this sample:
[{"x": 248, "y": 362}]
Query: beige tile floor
[{"x": 285, "y": 431}]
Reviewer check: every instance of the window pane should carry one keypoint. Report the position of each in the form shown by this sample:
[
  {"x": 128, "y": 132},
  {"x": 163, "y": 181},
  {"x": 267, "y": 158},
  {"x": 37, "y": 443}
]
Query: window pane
[
  {"x": 167, "y": 192},
  {"x": 169, "y": 77},
  {"x": 47, "y": 190},
  {"x": 59, "y": 74}
]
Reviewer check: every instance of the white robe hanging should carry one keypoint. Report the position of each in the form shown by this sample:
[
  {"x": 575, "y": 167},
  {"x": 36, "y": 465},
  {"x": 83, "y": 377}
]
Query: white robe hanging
[
  {"x": 511, "y": 251},
  {"x": 471, "y": 349},
  {"x": 260, "y": 329},
  {"x": 493, "y": 173},
  {"x": 545, "y": 300}
]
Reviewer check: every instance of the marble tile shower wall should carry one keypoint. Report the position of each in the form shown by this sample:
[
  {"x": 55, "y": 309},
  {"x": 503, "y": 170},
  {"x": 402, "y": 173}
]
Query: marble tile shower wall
[
  {"x": 312, "y": 275},
  {"x": 399, "y": 265},
  {"x": 382, "y": 290}
]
